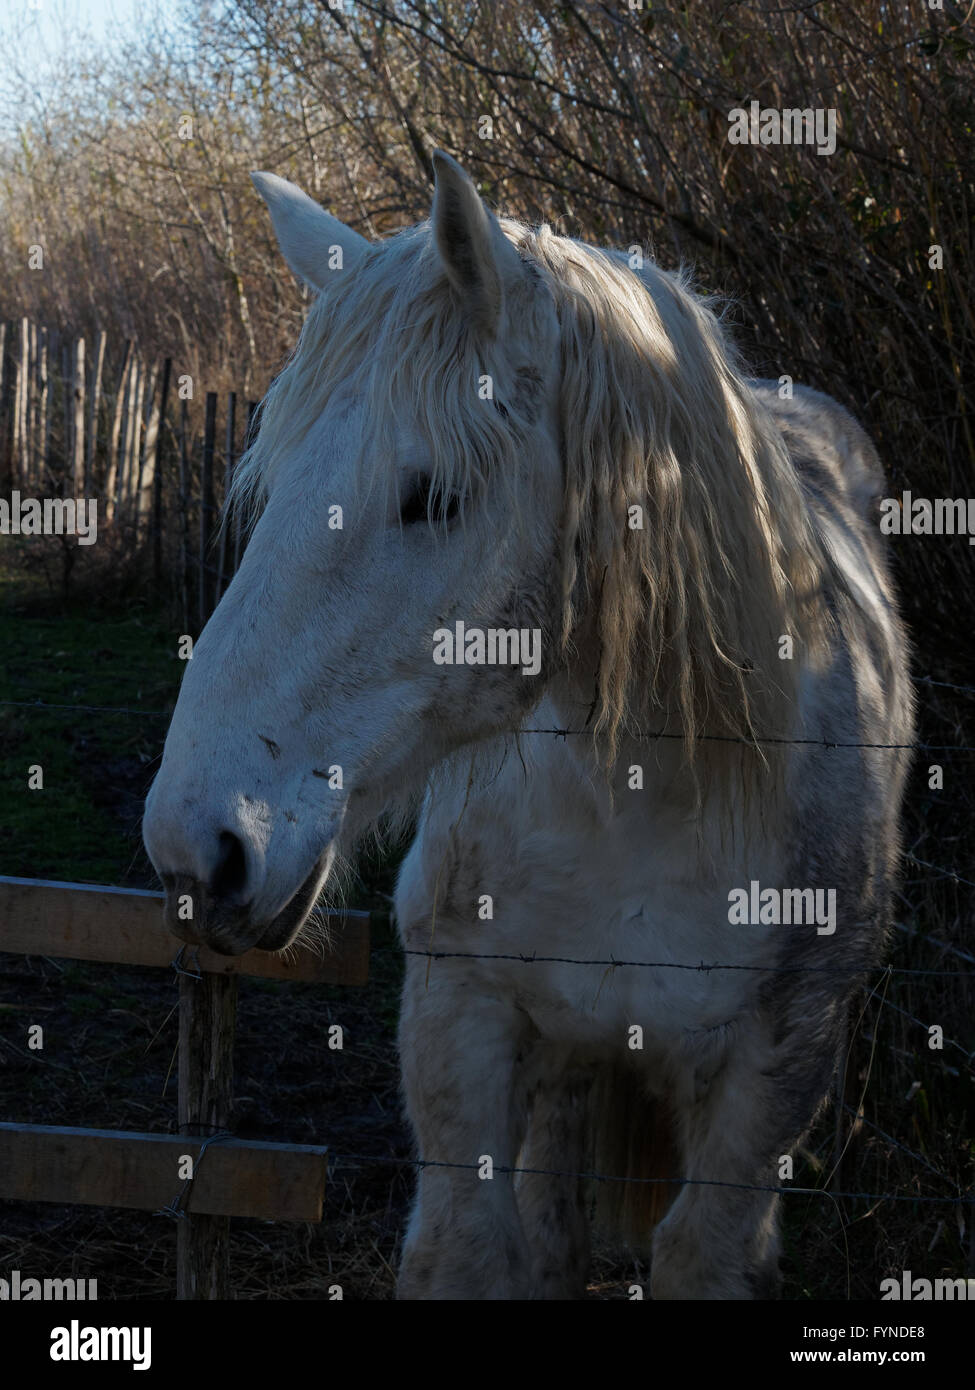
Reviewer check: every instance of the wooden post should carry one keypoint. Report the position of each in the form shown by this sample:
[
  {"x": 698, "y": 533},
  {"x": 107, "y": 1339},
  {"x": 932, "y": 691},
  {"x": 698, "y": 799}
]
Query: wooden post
[
  {"x": 111, "y": 478},
  {"x": 26, "y": 400},
  {"x": 228, "y": 471},
  {"x": 253, "y": 424},
  {"x": 207, "y": 1011},
  {"x": 33, "y": 401},
  {"x": 206, "y": 502},
  {"x": 157, "y": 480},
  {"x": 77, "y": 465},
  {"x": 44, "y": 411},
  {"x": 21, "y": 388},
  {"x": 184, "y": 513},
  {"x": 94, "y": 400},
  {"x": 129, "y": 503},
  {"x": 53, "y": 348},
  {"x": 4, "y": 388},
  {"x": 66, "y": 409},
  {"x": 147, "y": 449}
]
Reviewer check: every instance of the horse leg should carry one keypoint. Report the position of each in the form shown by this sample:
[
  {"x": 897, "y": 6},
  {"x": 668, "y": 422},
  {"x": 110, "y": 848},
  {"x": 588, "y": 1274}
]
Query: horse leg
[
  {"x": 733, "y": 1127},
  {"x": 459, "y": 1051},
  {"x": 553, "y": 1213}
]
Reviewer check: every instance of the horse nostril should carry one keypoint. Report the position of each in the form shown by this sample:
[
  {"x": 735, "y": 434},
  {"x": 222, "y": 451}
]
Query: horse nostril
[{"x": 229, "y": 878}]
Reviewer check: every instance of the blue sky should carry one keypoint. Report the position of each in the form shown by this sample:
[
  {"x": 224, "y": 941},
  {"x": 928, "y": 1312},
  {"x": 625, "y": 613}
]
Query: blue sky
[{"x": 35, "y": 28}]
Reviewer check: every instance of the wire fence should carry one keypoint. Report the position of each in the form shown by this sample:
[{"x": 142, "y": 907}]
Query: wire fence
[
  {"x": 965, "y": 1199},
  {"x": 652, "y": 737},
  {"x": 962, "y": 1199}
]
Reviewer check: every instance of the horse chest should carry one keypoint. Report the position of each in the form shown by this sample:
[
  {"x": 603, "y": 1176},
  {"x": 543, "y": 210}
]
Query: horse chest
[{"x": 567, "y": 901}]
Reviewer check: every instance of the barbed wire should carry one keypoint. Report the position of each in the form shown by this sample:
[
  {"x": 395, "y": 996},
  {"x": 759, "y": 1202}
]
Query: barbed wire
[
  {"x": 89, "y": 709},
  {"x": 348, "y": 1159},
  {"x": 919, "y": 1158},
  {"x": 827, "y": 743},
  {"x": 945, "y": 685},
  {"x": 967, "y": 1053},
  {"x": 934, "y": 942},
  {"x": 934, "y": 868},
  {"x": 703, "y": 967},
  {"x": 653, "y": 737}
]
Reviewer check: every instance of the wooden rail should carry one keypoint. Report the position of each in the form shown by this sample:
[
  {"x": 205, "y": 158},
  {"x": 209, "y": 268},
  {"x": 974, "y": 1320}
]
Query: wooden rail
[
  {"x": 79, "y": 921},
  {"x": 205, "y": 1180},
  {"x": 114, "y": 1168}
]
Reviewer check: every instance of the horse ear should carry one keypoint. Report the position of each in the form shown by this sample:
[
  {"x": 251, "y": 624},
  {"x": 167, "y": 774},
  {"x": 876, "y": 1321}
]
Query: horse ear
[
  {"x": 478, "y": 257},
  {"x": 313, "y": 242}
]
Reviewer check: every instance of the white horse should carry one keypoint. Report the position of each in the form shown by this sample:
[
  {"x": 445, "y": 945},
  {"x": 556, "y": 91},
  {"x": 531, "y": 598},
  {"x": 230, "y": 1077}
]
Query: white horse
[{"x": 508, "y": 482}]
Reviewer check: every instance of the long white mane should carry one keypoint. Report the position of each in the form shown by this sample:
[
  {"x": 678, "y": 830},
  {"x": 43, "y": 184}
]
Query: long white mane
[{"x": 691, "y": 592}]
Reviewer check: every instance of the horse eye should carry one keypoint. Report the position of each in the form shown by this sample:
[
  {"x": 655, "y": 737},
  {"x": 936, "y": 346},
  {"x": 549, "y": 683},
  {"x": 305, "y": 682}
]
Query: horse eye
[{"x": 422, "y": 501}]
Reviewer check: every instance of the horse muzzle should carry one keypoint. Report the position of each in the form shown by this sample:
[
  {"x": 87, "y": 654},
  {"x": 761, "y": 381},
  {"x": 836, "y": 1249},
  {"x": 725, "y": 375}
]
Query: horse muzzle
[{"x": 198, "y": 916}]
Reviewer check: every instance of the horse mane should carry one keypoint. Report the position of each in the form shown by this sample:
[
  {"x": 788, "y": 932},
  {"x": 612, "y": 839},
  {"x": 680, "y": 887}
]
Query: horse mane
[
  {"x": 689, "y": 608},
  {"x": 656, "y": 413}
]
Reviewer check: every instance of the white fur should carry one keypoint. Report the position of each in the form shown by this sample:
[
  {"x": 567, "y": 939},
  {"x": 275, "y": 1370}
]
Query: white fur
[{"x": 320, "y": 654}]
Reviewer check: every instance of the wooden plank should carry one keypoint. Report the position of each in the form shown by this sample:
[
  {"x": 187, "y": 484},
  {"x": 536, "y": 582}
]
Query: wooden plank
[
  {"x": 94, "y": 400},
  {"x": 78, "y": 921},
  {"x": 228, "y": 472},
  {"x": 184, "y": 511},
  {"x": 34, "y": 380},
  {"x": 253, "y": 425},
  {"x": 21, "y": 388},
  {"x": 156, "y": 522},
  {"x": 4, "y": 394},
  {"x": 77, "y": 463},
  {"x": 118, "y": 409},
  {"x": 66, "y": 409},
  {"x": 53, "y": 348},
  {"x": 147, "y": 450},
  {"x": 206, "y": 505},
  {"x": 44, "y": 412},
  {"x": 207, "y": 1022},
  {"x": 128, "y": 498},
  {"x": 117, "y": 1168}
]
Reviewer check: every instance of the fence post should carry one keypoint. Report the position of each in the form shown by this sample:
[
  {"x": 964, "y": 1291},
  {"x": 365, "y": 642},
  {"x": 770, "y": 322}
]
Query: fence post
[
  {"x": 129, "y": 503},
  {"x": 21, "y": 390},
  {"x": 146, "y": 457},
  {"x": 253, "y": 424},
  {"x": 44, "y": 412},
  {"x": 118, "y": 408},
  {"x": 4, "y": 388},
  {"x": 228, "y": 471},
  {"x": 53, "y": 352},
  {"x": 184, "y": 512},
  {"x": 97, "y": 366},
  {"x": 207, "y": 1008},
  {"x": 66, "y": 409},
  {"x": 157, "y": 482},
  {"x": 206, "y": 501},
  {"x": 78, "y": 417},
  {"x": 33, "y": 400}
]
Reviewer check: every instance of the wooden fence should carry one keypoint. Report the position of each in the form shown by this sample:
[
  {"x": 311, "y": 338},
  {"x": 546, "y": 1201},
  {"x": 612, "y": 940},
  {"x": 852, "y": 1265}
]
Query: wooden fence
[
  {"x": 230, "y": 1177},
  {"x": 79, "y": 419}
]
